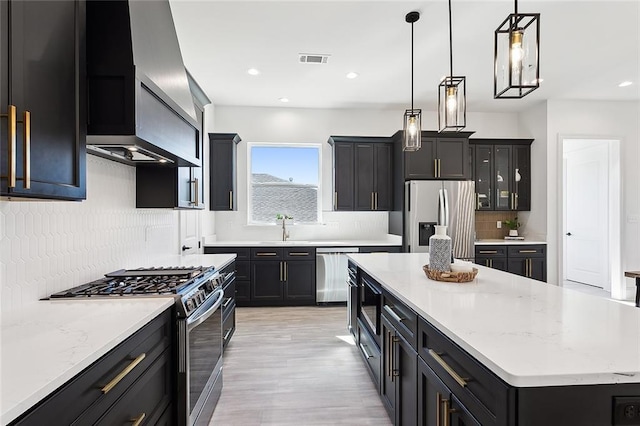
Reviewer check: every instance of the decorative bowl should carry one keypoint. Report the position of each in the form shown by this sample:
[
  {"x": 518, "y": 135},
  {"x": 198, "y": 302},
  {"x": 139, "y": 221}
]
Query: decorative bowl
[{"x": 451, "y": 277}]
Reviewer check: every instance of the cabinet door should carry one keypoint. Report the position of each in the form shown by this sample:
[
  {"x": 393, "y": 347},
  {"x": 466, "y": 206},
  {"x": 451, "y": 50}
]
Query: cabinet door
[
  {"x": 483, "y": 172},
  {"x": 521, "y": 176},
  {"x": 459, "y": 415},
  {"x": 387, "y": 382},
  {"x": 243, "y": 293},
  {"x": 343, "y": 175},
  {"x": 406, "y": 370},
  {"x": 267, "y": 280},
  {"x": 222, "y": 180},
  {"x": 452, "y": 155},
  {"x": 499, "y": 263},
  {"x": 538, "y": 269},
  {"x": 383, "y": 176},
  {"x": 300, "y": 276},
  {"x": 431, "y": 395},
  {"x": 364, "y": 172},
  {"x": 518, "y": 266},
  {"x": 43, "y": 72},
  {"x": 421, "y": 164},
  {"x": 502, "y": 172}
]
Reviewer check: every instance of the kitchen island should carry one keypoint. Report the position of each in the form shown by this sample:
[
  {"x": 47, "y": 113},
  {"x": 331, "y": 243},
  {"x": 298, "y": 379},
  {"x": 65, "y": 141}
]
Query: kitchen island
[{"x": 578, "y": 353}]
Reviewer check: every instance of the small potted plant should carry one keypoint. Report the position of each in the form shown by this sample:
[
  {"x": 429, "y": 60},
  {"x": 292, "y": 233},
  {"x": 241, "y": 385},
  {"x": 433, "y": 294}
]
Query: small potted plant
[{"x": 513, "y": 226}]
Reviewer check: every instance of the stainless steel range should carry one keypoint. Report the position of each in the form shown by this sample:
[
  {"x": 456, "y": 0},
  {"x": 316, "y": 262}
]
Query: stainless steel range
[{"x": 199, "y": 295}]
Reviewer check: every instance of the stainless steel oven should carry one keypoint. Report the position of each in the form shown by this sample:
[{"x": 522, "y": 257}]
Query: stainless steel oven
[{"x": 371, "y": 305}]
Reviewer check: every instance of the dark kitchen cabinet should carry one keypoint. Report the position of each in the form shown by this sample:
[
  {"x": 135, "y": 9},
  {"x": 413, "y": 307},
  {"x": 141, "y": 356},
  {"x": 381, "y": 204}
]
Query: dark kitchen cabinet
[
  {"x": 300, "y": 277},
  {"x": 440, "y": 157},
  {"x": 521, "y": 259},
  {"x": 243, "y": 271},
  {"x": 502, "y": 174},
  {"x": 135, "y": 377},
  {"x": 43, "y": 99},
  {"x": 222, "y": 171},
  {"x": 492, "y": 256},
  {"x": 362, "y": 173},
  {"x": 267, "y": 282}
]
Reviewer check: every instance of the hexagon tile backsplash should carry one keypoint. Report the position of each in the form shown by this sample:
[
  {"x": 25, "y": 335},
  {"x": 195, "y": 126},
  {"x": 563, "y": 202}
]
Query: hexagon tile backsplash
[{"x": 49, "y": 246}]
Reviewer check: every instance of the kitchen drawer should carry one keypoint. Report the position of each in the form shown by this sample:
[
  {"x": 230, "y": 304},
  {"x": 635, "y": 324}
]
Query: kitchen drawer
[
  {"x": 242, "y": 253},
  {"x": 484, "y": 394},
  {"x": 403, "y": 319},
  {"x": 300, "y": 253},
  {"x": 491, "y": 251},
  {"x": 380, "y": 249},
  {"x": 229, "y": 296},
  {"x": 85, "y": 390},
  {"x": 228, "y": 324},
  {"x": 370, "y": 352},
  {"x": 266, "y": 253},
  {"x": 537, "y": 250}
]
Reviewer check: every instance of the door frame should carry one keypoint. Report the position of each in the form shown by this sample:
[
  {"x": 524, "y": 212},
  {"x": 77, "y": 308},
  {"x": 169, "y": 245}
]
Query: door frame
[{"x": 616, "y": 284}]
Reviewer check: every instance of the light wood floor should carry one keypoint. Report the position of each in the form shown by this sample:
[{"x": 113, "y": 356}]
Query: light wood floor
[{"x": 289, "y": 366}]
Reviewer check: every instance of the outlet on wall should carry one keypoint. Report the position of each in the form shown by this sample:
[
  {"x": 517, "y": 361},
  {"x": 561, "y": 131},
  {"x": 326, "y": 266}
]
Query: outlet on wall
[
  {"x": 499, "y": 224},
  {"x": 626, "y": 410}
]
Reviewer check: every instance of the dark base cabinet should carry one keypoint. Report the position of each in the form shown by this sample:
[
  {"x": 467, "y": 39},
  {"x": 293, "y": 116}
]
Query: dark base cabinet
[
  {"x": 148, "y": 388},
  {"x": 527, "y": 260}
]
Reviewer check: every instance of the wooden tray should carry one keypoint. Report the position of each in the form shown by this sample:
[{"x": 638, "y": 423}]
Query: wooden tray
[{"x": 451, "y": 277}]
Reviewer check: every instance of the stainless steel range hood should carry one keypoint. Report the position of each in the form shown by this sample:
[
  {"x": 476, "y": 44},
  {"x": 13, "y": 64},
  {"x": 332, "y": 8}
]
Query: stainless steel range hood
[{"x": 140, "y": 106}]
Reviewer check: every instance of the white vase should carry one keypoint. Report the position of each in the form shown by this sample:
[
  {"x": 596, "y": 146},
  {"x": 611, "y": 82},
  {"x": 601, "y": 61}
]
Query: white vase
[
  {"x": 440, "y": 250},
  {"x": 513, "y": 232}
]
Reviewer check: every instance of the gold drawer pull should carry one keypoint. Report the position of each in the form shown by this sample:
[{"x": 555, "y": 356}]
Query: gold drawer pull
[
  {"x": 266, "y": 254},
  {"x": 488, "y": 251},
  {"x": 299, "y": 253},
  {"x": 11, "y": 144},
  {"x": 461, "y": 380},
  {"x": 26, "y": 147},
  {"x": 123, "y": 373},
  {"x": 527, "y": 251},
  {"x": 138, "y": 420}
]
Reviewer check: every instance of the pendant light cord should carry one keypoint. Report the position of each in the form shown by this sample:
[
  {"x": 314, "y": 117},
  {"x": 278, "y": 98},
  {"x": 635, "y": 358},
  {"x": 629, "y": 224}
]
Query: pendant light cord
[
  {"x": 451, "y": 45},
  {"x": 515, "y": 6},
  {"x": 412, "y": 67}
]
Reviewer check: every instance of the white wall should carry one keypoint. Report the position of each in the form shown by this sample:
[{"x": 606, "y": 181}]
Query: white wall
[
  {"x": 295, "y": 125},
  {"x": 588, "y": 119},
  {"x": 50, "y": 246}
]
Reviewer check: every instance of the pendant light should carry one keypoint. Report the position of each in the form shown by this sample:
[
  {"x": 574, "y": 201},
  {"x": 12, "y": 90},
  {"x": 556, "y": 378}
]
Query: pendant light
[
  {"x": 516, "y": 55},
  {"x": 412, "y": 117},
  {"x": 452, "y": 95}
]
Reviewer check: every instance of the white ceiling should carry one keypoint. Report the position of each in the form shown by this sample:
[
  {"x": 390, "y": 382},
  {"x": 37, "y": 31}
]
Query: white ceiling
[{"x": 587, "y": 49}]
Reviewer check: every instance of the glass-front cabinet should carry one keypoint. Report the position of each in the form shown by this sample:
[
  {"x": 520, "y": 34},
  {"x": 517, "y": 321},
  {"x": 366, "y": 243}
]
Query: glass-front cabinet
[
  {"x": 503, "y": 170},
  {"x": 483, "y": 175}
]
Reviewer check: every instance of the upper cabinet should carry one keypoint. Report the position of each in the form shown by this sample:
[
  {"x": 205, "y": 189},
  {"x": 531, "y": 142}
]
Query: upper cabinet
[
  {"x": 442, "y": 156},
  {"x": 362, "y": 173},
  {"x": 42, "y": 100},
  {"x": 502, "y": 174},
  {"x": 222, "y": 171}
]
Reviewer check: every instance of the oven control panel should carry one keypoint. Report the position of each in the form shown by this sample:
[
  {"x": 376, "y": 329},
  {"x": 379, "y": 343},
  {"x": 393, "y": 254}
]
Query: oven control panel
[{"x": 200, "y": 293}]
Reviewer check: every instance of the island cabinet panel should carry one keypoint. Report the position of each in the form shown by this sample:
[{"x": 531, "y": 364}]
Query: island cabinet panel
[
  {"x": 370, "y": 353},
  {"x": 147, "y": 387}
]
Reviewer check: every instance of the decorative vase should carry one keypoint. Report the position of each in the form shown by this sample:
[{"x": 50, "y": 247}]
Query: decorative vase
[
  {"x": 513, "y": 232},
  {"x": 440, "y": 250}
]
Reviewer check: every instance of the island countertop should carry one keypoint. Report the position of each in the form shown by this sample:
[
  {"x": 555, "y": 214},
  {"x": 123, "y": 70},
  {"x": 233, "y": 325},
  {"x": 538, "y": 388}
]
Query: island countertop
[{"x": 527, "y": 332}]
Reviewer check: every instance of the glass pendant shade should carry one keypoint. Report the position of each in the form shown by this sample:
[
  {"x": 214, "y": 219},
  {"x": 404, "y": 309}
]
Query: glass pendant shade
[
  {"x": 412, "y": 130},
  {"x": 452, "y": 104},
  {"x": 516, "y": 56}
]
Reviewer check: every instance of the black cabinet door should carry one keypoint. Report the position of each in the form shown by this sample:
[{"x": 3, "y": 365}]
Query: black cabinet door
[
  {"x": 483, "y": 176},
  {"x": 538, "y": 269},
  {"x": 431, "y": 395},
  {"x": 387, "y": 382},
  {"x": 383, "y": 197},
  {"x": 459, "y": 415},
  {"x": 222, "y": 171},
  {"x": 492, "y": 262},
  {"x": 267, "y": 280},
  {"x": 502, "y": 169},
  {"x": 301, "y": 281},
  {"x": 421, "y": 164},
  {"x": 453, "y": 157},
  {"x": 522, "y": 177},
  {"x": 44, "y": 73},
  {"x": 364, "y": 176},
  {"x": 406, "y": 370},
  {"x": 343, "y": 175},
  {"x": 530, "y": 267},
  {"x": 243, "y": 293}
]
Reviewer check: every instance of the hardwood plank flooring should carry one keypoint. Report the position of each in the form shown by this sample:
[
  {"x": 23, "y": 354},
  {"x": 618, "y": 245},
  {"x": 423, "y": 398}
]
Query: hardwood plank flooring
[{"x": 290, "y": 366}]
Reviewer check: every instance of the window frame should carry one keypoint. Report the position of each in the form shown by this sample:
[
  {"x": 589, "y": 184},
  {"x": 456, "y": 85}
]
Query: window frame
[{"x": 250, "y": 145}]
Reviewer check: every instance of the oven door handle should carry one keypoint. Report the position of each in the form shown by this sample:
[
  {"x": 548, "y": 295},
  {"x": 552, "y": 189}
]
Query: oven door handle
[{"x": 211, "y": 305}]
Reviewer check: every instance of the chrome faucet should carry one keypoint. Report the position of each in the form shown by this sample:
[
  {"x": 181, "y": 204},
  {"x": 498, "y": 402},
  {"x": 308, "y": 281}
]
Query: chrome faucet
[{"x": 285, "y": 233}]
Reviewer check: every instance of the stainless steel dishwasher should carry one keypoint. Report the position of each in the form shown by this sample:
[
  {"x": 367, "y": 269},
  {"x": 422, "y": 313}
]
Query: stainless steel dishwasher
[{"x": 331, "y": 273}]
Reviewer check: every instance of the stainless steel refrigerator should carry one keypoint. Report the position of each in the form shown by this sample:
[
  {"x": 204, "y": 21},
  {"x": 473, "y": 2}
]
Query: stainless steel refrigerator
[{"x": 430, "y": 203}]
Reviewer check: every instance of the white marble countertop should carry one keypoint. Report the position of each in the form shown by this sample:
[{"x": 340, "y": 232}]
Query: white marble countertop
[
  {"x": 497, "y": 242},
  {"x": 390, "y": 240},
  {"x": 47, "y": 343},
  {"x": 527, "y": 332}
]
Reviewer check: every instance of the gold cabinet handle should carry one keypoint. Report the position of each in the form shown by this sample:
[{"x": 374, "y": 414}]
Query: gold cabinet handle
[
  {"x": 446, "y": 410},
  {"x": 461, "y": 380},
  {"x": 121, "y": 375},
  {"x": 230, "y": 200},
  {"x": 267, "y": 253},
  {"x": 372, "y": 208},
  {"x": 11, "y": 144},
  {"x": 435, "y": 167},
  {"x": 394, "y": 371},
  {"x": 515, "y": 197},
  {"x": 439, "y": 168},
  {"x": 138, "y": 420},
  {"x": 286, "y": 270},
  {"x": 197, "y": 185},
  {"x": 488, "y": 251},
  {"x": 376, "y": 201},
  {"x": 389, "y": 354},
  {"x": 299, "y": 253},
  {"x": 26, "y": 146},
  {"x": 478, "y": 205},
  {"x": 527, "y": 251},
  {"x": 335, "y": 200},
  {"x": 393, "y": 314},
  {"x": 281, "y": 272}
]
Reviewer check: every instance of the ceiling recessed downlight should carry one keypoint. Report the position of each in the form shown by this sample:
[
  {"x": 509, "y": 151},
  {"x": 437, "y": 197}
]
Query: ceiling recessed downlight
[
  {"x": 284, "y": 99},
  {"x": 625, "y": 84},
  {"x": 253, "y": 71},
  {"x": 352, "y": 75}
]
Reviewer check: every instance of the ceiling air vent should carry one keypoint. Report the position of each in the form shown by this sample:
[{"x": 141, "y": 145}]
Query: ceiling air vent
[{"x": 309, "y": 58}]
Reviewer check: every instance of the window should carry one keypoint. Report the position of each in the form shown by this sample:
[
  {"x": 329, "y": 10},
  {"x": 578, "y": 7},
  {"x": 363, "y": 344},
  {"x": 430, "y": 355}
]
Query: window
[{"x": 284, "y": 179}]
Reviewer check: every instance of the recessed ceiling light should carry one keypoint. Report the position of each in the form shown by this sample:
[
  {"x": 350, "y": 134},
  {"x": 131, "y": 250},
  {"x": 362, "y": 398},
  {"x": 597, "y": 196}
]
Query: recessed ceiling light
[
  {"x": 253, "y": 71},
  {"x": 162, "y": 160},
  {"x": 284, "y": 99},
  {"x": 625, "y": 84},
  {"x": 352, "y": 75},
  {"x": 132, "y": 148}
]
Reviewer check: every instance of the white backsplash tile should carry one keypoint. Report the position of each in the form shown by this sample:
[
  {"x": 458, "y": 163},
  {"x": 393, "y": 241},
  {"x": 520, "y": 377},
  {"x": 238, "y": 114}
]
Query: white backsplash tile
[{"x": 49, "y": 246}]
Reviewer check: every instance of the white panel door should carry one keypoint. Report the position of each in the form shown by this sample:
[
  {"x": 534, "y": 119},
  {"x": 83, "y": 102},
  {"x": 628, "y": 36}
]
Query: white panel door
[
  {"x": 189, "y": 231},
  {"x": 587, "y": 222}
]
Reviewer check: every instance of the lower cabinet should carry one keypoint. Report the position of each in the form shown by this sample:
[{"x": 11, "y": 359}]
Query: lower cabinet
[
  {"x": 135, "y": 380},
  {"x": 526, "y": 260}
]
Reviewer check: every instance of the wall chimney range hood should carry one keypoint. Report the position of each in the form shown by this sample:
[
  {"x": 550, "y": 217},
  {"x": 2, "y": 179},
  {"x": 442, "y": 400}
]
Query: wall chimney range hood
[{"x": 140, "y": 107}]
